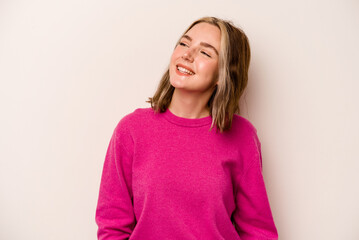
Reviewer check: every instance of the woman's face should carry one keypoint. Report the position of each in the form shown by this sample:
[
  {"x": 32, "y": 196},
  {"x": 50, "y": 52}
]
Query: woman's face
[{"x": 194, "y": 62}]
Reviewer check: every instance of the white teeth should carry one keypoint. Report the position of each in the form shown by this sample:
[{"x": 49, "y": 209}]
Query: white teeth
[{"x": 183, "y": 70}]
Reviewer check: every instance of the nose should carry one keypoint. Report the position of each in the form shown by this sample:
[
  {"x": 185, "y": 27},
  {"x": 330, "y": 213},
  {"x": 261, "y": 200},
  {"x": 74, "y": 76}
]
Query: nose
[{"x": 188, "y": 55}]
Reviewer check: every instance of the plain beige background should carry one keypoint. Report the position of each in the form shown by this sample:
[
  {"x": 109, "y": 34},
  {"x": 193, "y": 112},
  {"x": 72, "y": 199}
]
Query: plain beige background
[{"x": 70, "y": 70}]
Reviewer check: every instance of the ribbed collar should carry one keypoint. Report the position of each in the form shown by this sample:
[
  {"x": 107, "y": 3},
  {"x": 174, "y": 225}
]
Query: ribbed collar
[{"x": 187, "y": 122}]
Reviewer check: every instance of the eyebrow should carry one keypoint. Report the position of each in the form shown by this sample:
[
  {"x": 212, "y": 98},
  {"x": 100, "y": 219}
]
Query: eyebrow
[{"x": 204, "y": 44}]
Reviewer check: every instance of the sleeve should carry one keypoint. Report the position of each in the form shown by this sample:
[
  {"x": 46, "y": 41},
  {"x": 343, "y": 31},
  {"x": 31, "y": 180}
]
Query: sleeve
[
  {"x": 114, "y": 213},
  {"x": 252, "y": 217}
]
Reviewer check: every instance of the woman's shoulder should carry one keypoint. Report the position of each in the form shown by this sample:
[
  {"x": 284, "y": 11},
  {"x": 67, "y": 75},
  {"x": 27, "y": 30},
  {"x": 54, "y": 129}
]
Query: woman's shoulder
[
  {"x": 246, "y": 133},
  {"x": 138, "y": 113},
  {"x": 134, "y": 118},
  {"x": 243, "y": 125}
]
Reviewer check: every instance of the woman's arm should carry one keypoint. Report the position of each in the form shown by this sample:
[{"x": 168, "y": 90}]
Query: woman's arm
[
  {"x": 114, "y": 214},
  {"x": 252, "y": 217}
]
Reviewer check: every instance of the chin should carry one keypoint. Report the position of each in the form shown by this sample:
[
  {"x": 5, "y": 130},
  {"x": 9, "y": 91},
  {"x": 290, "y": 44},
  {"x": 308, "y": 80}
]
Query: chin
[{"x": 175, "y": 84}]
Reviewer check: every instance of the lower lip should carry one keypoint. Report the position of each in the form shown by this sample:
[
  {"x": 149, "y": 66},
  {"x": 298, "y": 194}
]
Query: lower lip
[{"x": 182, "y": 74}]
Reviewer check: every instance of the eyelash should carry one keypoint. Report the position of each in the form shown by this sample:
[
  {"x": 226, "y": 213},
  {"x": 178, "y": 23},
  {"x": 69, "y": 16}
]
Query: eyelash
[
  {"x": 183, "y": 44},
  {"x": 205, "y": 54}
]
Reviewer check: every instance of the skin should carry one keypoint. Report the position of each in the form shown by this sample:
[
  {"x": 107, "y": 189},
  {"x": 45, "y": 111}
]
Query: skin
[{"x": 192, "y": 92}]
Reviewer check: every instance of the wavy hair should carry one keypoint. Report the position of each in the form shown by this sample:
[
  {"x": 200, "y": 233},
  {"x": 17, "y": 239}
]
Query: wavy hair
[{"x": 233, "y": 65}]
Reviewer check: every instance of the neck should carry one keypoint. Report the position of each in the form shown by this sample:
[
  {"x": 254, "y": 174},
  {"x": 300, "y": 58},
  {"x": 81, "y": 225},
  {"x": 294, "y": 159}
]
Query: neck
[{"x": 189, "y": 104}]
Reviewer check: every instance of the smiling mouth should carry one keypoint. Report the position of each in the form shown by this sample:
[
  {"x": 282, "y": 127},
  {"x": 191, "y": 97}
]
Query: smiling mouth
[{"x": 184, "y": 70}]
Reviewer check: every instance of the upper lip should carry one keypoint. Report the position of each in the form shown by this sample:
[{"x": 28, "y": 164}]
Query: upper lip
[{"x": 188, "y": 68}]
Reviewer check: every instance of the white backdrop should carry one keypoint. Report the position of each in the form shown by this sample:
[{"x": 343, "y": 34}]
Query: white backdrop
[{"x": 70, "y": 70}]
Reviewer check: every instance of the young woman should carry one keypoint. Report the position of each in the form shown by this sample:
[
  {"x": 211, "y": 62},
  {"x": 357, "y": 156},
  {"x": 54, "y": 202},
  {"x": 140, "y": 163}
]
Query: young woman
[{"x": 189, "y": 167}]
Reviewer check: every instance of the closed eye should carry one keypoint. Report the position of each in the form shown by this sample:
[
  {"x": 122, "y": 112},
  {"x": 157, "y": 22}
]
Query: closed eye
[
  {"x": 183, "y": 44},
  {"x": 205, "y": 54}
]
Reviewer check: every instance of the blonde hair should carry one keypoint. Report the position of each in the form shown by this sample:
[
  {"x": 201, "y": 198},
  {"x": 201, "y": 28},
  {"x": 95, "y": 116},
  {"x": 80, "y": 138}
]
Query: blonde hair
[{"x": 233, "y": 65}]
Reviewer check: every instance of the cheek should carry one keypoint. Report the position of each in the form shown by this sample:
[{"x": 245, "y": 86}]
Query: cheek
[
  {"x": 173, "y": 64},
  {"x": 210, "y": 69},
  {"x": 175, "y": 54},
  {"x": 172, "y": 57},
  {"x": 172, "y": 61}
]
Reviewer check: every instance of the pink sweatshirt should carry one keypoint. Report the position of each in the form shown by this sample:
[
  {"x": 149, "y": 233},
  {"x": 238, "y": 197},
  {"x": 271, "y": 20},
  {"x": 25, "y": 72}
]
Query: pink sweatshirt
[{"x": 168, "y": 177}]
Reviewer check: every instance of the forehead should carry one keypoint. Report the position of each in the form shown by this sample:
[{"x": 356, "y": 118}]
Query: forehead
[{"x": 205, "y": 32}]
